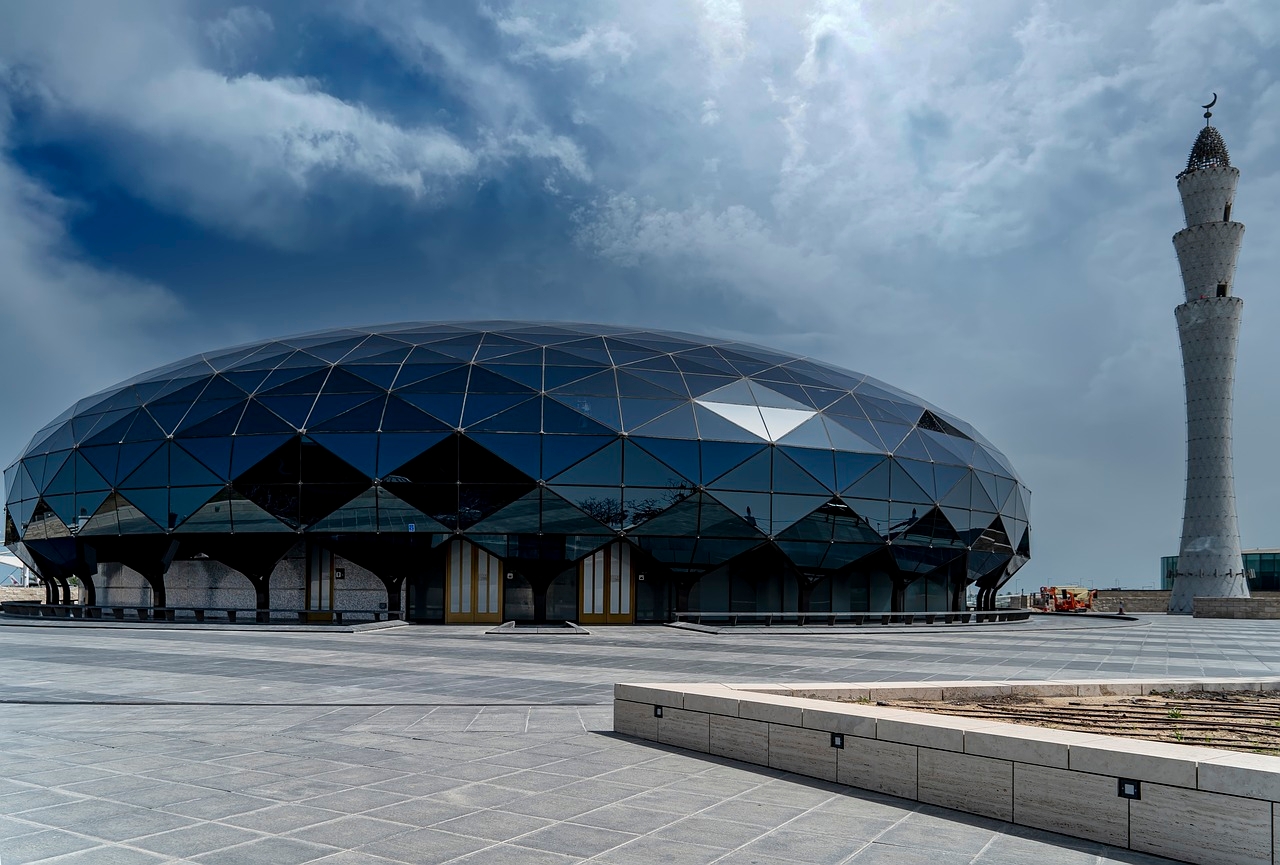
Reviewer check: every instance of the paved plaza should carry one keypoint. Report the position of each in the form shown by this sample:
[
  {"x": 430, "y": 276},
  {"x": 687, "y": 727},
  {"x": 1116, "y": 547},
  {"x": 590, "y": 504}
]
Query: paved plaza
[{"x": 431, "y": 745}]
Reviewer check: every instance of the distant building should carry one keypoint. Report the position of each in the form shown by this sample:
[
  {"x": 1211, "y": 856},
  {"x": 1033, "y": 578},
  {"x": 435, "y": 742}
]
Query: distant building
[{"x": 1261, "y": 567}]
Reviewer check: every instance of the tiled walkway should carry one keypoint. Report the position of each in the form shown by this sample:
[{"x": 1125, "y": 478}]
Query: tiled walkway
[{"x": 425, "y": 745}]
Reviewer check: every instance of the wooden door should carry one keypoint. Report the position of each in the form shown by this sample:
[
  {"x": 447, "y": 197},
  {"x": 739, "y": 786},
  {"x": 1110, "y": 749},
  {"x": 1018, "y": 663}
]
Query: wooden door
[
  {"x": 607, "y": 587},
  {"x": 474, "y": 585}
]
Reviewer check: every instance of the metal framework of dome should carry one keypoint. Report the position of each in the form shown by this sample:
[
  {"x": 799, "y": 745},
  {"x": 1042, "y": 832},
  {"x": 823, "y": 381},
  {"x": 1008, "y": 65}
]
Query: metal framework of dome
[{"x": 1209, "y": 151}]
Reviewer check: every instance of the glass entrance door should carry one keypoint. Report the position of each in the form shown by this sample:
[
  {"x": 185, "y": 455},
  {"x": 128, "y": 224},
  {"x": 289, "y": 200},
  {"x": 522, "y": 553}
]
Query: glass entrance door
[
  {"x": 319, "y": 585},
  {"x": 474, "y": 585},
  {"x": 607, "y": 594}
]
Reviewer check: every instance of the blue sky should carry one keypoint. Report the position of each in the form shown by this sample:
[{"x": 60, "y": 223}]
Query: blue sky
[{"x": 970, "y": 201}]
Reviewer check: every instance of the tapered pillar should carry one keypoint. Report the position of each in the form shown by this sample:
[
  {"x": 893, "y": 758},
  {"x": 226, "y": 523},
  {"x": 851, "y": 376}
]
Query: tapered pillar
[{"x": 1209, "y": 562}]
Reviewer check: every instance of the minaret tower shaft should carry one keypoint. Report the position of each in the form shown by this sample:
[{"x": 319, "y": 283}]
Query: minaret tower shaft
[{"x": 1209, "y": 563}]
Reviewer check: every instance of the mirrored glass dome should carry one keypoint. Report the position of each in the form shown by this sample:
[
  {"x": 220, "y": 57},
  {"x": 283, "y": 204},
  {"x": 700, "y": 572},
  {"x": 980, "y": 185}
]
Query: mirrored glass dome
[{"x": 533, "y": 441}]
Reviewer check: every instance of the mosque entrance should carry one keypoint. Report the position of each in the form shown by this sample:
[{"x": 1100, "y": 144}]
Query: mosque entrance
[
  {"x": 473, "y": 586},
  {"x": 320, "y": 577},
  {"x": 607, "y": 587}
]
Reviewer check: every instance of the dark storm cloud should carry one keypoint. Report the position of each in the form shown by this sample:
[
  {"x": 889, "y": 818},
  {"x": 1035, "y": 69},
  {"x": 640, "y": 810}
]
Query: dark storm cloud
[{"x": 972, "y": 204}]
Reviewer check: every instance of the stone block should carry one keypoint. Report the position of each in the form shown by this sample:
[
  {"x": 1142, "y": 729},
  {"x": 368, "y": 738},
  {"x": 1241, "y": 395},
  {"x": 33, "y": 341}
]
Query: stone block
[
  {"x": 740, "y": 739},
  {"x": 805, "y": 752},
  {"x": 685, "y": 729},
  {"x": 842, "y": 691},
  {"x": 1156, "y": 762},
  {"x": 850, "y": 719},
  {"x": 1024, "y": 744},
  {"x": 1073, "y": 803},
  {"x": 772, "y": 709},
  {"x": 1044, "y": 689},
  {"x": 871, "y": 764},
  {"x": 905, "y": 692},
  {"x": 974, "y": 690},
  {"x": 712, "y": 701},
  {"x": 978, "y": 785},
  {"x": 1254, "y": 775},
  {"x": 655, "y": 694},
  {"x": 943, "y": 732},
  {"x": 1205, "y": 828},
  {"x": 635, "y": 719}
]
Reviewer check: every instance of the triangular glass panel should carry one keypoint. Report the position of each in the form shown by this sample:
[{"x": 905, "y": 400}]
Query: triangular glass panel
[
  {"x": 397, "y": 515},
  {"x": 682, "y": 455},
  {"x": 981, "y": 501},
  {"x": 396, "y": 449},
  {"x": 186, "y": 501},
  {"x": 413, "y": 373},
  {"x": 555, "y": 376},
  {"x": 248, "y": 450},
  {"x": 293, "y": 409},
  {"x": 144, "y": 428},
  {"x": 460, "y": 347},
  {"x": 485, "y": 381},
  {"x": 103, "y": 521},
  {"x": 767, "y": 397},
  {"x": 849, "y": 434},
  {"x": 523, "y": 516},
  {"x": 381, "y": 376},
  {"x": 792, "y": 479},
  {"x": 186, "y": 471},
  {"x": 258, "y": 420},
  {"x": 960, "y": 495},
  {"x": 359, "y": 450},
  {"x": 63, "y": 507},
  {"x": 214, "y": 453},
  {"x": 737, "y": 392},
  {"x": 637, "y": 412},
  {"x": 679, "y": 423},
  {"x": 892, "y": 434},
  {"x": 949, "y": 450},
  {"x": 480, "y": 406},
  {"x": 153, "y": 503},
  {"x": 358, "y": 515},
  {"x": 728, "y": 514},
  {"x": 922, "y": 474},
  {"x": 667, "y": 379},
  {"x": 719, "y": 457},
  {"x": 641, "y": 469},
  {"x": 63, "y": 481},
  {"x": 602, "y": 409},
  {"x": 872, "y": 484},
  {"x": 810, "y": 434},
  {"x": 342, "y": 381},
  {"x": 700, "y": 385},
  {"x": 520, "y": 375},
  {"x": 330, "y": 406},
  {"x": 597, "y": 384},
  {"x": 248, "y": 517},
  {"x": 101, "y": 457},
  {"x": 447, "y": 407},
  {"x": 789, "y": 509},
  {"x": 912, "y": 447},
  {"x": 635, "y": 387},
  {"x": 962, "y": 520},
  {"x": 678, "y": 521},
  {"x": 522, "y": 450},
  {"x": 903, "y": 488},
  {"x": 816, "y": 462},
  {"x": 946, "y": 477},
  {"x": 754, "y": 475},
  {"x": 727, "y": 422},
  {"x": 399, "y": 416},
  {"x": 602, "y": 468},
  {"x": 113, "y": 433},
  {"x": 556, "y": 418},
  {"x": 780, "y": 421},
  {"x": 294, "y": 381},
  {"x": 641, "y": 504},
  {"x": 560, "y": 452},
  {"x": 523, "y": 418}
]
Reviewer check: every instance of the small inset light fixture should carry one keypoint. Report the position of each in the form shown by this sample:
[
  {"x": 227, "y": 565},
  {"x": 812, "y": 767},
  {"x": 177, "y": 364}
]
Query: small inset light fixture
[
  {"x": 657, "y": 711},
  {"x": 837, "y": 740},
  {"x": 1128, "y": 788},
  {"x": 339, "y": 573},
  {"x": 511, "y": 576},
  {"x": 640, "y": 578}
]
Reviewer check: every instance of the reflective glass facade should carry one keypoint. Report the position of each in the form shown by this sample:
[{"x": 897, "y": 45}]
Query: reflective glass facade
[
  {"x": 737, "y": 477},
  {"x": 1261, "y": 567}
]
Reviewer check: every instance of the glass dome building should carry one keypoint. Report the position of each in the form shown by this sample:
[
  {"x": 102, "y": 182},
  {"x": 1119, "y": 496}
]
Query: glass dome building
[{"x": 494, "y": 471}]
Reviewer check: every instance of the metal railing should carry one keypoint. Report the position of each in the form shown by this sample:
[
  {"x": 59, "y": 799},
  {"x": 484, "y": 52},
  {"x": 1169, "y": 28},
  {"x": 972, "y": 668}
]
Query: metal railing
[
  {"x": 198, "y": 614},
  {"x": 831, "y": 619}
]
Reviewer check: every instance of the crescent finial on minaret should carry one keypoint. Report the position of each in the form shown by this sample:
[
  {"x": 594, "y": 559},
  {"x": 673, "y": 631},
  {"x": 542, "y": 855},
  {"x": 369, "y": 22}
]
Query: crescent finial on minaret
[{"x": 1207, "y": 112}]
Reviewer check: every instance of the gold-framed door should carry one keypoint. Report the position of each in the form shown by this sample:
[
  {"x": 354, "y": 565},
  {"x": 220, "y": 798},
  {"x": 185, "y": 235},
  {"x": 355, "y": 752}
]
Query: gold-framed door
[
  {"x": 473, "y": 585},
  {"x": 607, "y": 587},
  {"x": 320, "y": 585}
]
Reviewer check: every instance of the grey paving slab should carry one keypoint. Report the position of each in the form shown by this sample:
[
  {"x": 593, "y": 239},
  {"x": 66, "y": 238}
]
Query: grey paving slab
[{"x": 425, "y": 745}]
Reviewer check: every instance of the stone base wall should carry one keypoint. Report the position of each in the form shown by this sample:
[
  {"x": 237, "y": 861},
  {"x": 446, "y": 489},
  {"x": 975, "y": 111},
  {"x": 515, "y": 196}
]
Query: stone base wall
[
  {"x": 1133, "y": 600},
  {"x": 1184, "y": 802},
  {"x": 1260, "y": 606}
]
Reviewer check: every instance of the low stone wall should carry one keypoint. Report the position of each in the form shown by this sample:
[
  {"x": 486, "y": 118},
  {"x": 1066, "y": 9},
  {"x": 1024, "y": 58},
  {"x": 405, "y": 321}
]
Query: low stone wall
[
  {"x": 1184, "y": 802},
  {"x": 1133, "y": 600},
  {"x": 31, "y": 593},
  {"x": 1260, "y": 606}
]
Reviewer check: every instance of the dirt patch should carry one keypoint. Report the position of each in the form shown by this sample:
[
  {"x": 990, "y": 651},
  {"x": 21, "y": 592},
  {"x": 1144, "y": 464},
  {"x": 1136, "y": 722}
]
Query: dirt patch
[{"x": 1234, "y": 720}]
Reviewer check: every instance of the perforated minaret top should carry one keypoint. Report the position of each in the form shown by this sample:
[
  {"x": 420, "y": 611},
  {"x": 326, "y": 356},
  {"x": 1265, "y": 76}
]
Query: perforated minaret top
[{"x": 1209, "y": 151}]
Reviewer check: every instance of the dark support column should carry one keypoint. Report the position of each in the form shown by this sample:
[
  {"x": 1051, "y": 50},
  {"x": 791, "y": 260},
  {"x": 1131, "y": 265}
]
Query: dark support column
[
  {"x": 61, "y": 590},
  {"x": 393, "y": 586},
  {"x": 49, "y": 596}
]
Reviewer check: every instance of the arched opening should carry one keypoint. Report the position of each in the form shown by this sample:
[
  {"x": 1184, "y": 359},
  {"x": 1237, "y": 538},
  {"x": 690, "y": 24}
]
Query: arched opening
[{"x": 1226, "y": 212}]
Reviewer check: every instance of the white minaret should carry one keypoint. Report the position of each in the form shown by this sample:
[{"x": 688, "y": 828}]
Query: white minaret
[{"x": 1209, "y": 563}]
